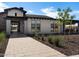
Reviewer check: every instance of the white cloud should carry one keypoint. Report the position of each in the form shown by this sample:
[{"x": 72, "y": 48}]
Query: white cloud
[
  {"x": 3, "y": 6},
  {"x": 53, "y": 13},
  {"x": 50, "y": 12},
  {"x": 29, "y": 11}
]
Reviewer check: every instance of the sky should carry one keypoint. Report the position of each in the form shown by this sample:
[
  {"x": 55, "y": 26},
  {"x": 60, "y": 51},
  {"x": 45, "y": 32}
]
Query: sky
[{"x": 43, "y": 8}]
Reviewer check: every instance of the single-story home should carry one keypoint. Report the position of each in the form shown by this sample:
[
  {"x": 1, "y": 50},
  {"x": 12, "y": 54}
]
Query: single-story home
[{"x": 17, "y": 20}]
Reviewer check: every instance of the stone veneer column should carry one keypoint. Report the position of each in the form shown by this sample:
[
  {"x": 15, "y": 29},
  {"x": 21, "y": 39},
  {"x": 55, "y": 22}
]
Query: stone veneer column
[
  {"x": 25, "y": 26},
  {"x": 8, "y": 26}
]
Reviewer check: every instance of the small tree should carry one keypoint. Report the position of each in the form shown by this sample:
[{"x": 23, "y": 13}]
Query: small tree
[{"x": 65, "y": 17}]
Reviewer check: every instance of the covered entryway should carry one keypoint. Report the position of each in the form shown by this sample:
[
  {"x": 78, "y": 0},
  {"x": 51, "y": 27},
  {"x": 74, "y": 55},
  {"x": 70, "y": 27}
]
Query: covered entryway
[{"x": 16, "y": 25}]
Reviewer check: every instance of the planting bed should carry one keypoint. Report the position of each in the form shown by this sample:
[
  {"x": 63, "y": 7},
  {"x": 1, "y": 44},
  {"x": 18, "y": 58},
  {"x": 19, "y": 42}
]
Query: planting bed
[
  {"x": 71, "y": 44},
  {"x": 3, "y": 43}
]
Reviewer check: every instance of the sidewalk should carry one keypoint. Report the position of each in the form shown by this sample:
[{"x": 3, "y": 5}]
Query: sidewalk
[{"x": 28, "y": 47}]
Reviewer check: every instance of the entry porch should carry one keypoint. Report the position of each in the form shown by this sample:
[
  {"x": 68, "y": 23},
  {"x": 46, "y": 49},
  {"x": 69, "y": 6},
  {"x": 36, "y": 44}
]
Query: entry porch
[{"x": 15, "y": 25}]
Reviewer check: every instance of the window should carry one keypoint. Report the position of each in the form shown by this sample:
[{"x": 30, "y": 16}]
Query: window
[
  {"x": 35, "y": 25},
  {"x": 38, "y": 27},
  {"x": 54, "y": 27},
  {"x": 15, "y": 14}
]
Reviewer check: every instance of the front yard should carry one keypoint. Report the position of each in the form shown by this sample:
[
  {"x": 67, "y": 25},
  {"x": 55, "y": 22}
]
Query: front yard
[{"x": 66, "y": 44}]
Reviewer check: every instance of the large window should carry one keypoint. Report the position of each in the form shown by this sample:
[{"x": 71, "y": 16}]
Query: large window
[
  {"x": 54, "y": 27},
  {"x": 35, "y": 26}
]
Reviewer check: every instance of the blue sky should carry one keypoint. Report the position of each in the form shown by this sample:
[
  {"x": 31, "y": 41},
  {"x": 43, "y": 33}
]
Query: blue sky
[{"x": 43, "y": 8}]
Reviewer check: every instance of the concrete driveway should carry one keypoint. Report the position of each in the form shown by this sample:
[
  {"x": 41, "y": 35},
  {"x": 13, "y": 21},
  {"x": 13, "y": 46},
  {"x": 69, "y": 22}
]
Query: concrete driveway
[{"x": 28, "y": 47}]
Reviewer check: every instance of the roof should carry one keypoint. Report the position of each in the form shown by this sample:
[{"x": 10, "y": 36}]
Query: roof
[
  {"x": 38, "y": 16},
  {"x": 28, "y": 15},
  {"x": 21, "y": 9},
  {"x": 2, "y": 13}
]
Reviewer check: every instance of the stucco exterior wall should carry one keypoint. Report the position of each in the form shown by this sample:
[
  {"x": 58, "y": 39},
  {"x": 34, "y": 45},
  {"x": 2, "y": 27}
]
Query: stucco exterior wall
[
  {"x": 29, "y": 26},
  {"x": 8, "y": 26},
  {"x": 25, "y": 27},
  {"x": 22, "y": 26},
  {"x": 45, "y": 26},
  {"x": 12, "y": 12}
]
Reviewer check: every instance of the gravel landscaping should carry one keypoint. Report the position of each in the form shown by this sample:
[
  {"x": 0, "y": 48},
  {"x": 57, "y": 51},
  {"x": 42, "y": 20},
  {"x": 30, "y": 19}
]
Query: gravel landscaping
[{"x": 71, "y": 44}]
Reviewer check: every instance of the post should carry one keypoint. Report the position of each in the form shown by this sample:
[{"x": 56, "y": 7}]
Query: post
[
  {"x": 8, "y": 27},
  {"x": 25, "y": 26}
]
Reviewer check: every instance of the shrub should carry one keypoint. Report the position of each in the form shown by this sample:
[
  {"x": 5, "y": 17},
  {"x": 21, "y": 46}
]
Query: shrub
[
  {"x": 51, "y": 39},
  {"x": 57, "y": 40},
  {"x": 2, "y": 36}
]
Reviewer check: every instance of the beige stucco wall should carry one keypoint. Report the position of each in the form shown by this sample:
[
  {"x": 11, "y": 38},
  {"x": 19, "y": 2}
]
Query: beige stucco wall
[
  {"x": 21, "y": 26},
  {"x": 13, "y": 11},
  {"x": 8, "y": 26},
  {"x": 29, "y": 26},
  {"x": 45, "y": 25},
  {"x": 25, "y": 27}
]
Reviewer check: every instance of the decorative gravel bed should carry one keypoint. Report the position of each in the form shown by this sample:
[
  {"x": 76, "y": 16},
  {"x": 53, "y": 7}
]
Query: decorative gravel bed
[{"x": 71, "y": 45}]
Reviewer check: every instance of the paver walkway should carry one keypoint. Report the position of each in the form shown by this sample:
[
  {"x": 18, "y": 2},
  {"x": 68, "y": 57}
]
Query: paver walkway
[{"x": 28, "y": 47}]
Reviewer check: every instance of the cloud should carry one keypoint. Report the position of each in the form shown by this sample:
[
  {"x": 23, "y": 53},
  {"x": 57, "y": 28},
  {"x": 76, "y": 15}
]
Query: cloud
[
  {"x": 29, "y": 11},
  {"x": 3, "y": 6},
  {"x": 50, "y": 12}
]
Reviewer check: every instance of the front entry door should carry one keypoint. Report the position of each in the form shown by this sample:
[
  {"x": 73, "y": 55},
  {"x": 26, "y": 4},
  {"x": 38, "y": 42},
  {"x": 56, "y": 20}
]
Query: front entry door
[{"x": 14, "y": 27}]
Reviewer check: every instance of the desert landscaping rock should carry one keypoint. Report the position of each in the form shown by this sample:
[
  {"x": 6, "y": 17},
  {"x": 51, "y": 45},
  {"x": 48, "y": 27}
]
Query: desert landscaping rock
[{"x": 28, "y": 47}]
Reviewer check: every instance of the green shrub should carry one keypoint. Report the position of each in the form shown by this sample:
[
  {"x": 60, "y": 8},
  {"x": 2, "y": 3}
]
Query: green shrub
[
  {"x": 57, "y": 40},
  {"x": 2, "y": 36},
  {"x": 61, "y": 41},
  {"x": 51, "y": 39}
]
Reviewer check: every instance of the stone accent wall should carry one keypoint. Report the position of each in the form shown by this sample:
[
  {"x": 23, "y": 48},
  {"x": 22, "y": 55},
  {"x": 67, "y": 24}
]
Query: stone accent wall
[{"x": 2, "y": 22}]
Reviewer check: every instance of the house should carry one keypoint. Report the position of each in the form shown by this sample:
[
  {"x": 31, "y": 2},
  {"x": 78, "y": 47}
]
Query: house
[{"x": 17, "y": 20}]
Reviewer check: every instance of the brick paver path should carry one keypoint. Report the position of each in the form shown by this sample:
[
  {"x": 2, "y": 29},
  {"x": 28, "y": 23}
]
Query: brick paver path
[{"x": 28, "y": 47}]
